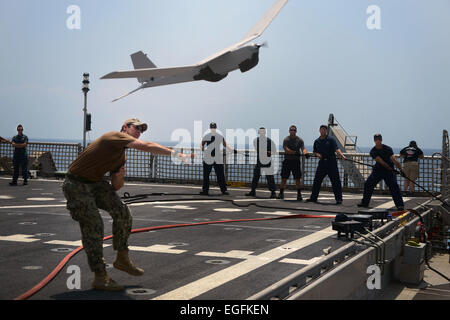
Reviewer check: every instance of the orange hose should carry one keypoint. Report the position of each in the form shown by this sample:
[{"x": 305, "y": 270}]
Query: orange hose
[{"x": 66, "y": 259}]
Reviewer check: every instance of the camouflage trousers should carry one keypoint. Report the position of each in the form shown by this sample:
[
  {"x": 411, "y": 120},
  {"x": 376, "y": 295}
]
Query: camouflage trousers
[{"x": 83, "y": 202}]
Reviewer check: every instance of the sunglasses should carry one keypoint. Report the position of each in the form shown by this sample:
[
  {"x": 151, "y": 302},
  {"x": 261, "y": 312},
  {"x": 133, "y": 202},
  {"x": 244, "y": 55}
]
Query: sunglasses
[
  {"x": 293, "y": 130},
  {"x": 139, "y": 128}
]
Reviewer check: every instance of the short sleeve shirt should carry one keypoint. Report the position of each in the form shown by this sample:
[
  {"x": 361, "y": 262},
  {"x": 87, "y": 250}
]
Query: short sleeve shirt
[
  {"x": 385, "y": 154},
  {"x": 411, "y": 154},
  {"x": 326, "y": 147},
  {"x": 105, "y": 154},
  {"x": 20, "y": 152},
  {"x": 294, "y": 144}
]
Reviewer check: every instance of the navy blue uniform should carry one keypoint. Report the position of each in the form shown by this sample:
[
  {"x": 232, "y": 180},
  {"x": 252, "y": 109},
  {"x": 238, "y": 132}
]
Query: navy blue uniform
[
  {"x": 327, "y": 166},
  {"x": 381, "y": 173},
  {"x": 20, "y": 158},
  {"x": 213, "y": 158}
]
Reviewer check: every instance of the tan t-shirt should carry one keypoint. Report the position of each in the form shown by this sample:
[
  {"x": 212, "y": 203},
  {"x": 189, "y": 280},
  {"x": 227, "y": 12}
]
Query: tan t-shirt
[{"x": 105, "y": 154}]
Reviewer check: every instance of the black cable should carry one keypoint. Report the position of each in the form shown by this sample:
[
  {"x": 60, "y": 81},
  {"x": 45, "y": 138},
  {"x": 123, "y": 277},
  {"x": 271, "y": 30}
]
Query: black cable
[
  {"x": 443, "y": 202},
  {"x": 143, "y": 198},
  {"x": 407, "y": 178},
  {"x": 427, "y": 243},
  {"x": 431, "y": 268},
  {"x": 416, "y": 213}
]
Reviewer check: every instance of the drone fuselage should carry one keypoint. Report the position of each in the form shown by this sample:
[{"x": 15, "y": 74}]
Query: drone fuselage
[{"x": 244, "y": 59}]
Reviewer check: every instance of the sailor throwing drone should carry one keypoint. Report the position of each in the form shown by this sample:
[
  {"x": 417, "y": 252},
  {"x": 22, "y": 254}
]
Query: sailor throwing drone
[{"x": 86, "y": 191}]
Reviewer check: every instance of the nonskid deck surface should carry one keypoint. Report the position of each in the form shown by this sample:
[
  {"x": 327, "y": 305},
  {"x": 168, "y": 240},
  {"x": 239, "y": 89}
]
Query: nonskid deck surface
[{"x": 230, "y": 260}]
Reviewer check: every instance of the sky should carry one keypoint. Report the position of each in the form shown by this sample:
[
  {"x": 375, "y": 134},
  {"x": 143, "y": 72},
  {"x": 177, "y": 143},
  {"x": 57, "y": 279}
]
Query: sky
[{"x": 321, "y": 58}]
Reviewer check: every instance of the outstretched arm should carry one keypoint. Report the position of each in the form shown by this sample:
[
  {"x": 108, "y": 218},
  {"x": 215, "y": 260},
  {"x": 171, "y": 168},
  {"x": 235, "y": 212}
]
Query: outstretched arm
[
  {"x": 156, "y": 148},
  {"x": 226, "y": 145},
  {"x": 341, "y": 154}
]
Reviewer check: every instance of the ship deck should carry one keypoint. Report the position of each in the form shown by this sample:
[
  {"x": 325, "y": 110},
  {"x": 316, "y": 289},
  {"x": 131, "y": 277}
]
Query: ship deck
[{"x": 223, "y": 259}]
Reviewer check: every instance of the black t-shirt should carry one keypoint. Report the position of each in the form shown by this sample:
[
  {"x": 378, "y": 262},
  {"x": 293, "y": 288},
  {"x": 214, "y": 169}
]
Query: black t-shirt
[
  {"x": 294, "y": 144},
  {"x": 385, "y": 154},
  {"x": 411, "y": 154},
  {"x": 326, "y": 147}
]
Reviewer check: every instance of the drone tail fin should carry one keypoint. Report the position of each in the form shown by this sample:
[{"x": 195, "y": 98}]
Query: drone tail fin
[{"x": 141, "y": 61}]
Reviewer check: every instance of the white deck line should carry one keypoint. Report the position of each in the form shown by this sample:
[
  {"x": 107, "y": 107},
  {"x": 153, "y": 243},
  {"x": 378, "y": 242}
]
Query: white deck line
[{"x": 205, "y": 284}]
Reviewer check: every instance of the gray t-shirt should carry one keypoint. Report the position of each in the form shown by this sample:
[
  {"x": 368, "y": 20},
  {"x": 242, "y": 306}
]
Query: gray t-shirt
[{"x": 294, "y": 144}]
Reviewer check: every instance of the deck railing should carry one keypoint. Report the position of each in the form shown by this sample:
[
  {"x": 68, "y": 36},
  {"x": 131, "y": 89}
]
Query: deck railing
[{"x": 238, "y": 167}]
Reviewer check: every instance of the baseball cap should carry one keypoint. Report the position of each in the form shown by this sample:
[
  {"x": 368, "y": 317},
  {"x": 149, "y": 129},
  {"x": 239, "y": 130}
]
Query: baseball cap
[
  {"x": 213, "y": 125},
  {"x": 377, "y": 137},
  {"x": 136, "y": 122}
]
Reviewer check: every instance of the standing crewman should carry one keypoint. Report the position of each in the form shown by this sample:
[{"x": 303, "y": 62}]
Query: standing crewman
[
  {"x": 325, "y": 148},
  {"x": 383, "y": 170},
  {"x": 292, "y": 146},
  {"x": 213, "y": 157},
  {"x": 264, "y": 147},
  {"x": 87, "y": 190},
  {"x": 20, "y": 158},
  {"x": 411, "y": 155}
]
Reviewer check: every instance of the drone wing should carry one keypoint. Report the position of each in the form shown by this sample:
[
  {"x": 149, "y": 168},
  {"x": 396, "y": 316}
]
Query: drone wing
[
  {"x": 254, "y": 33},
  {"x": 150, "y": 73},
  {"x": 155, "y": 77},
  {"x": 262, "y": 24},
  {"x": 127, "y": 94}
]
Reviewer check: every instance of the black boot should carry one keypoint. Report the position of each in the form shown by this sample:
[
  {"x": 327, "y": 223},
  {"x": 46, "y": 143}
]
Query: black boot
[
  {"x": 281, "y": 194},
  {"x": 362, "y": 205},
  {"x": 252, "y": 193},
  {"x": 299, "y": 195},
  {"x": 273, "y": 195}
]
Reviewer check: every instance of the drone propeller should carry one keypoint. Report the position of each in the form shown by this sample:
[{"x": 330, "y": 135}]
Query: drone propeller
[{"x": 265, "y": 44}]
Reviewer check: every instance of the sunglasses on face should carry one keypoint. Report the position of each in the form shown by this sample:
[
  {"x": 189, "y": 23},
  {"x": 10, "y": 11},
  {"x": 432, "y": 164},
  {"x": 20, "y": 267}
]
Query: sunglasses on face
[
  {"x": 292, "y": 130},
  {"x": 138, "y": 128}
]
